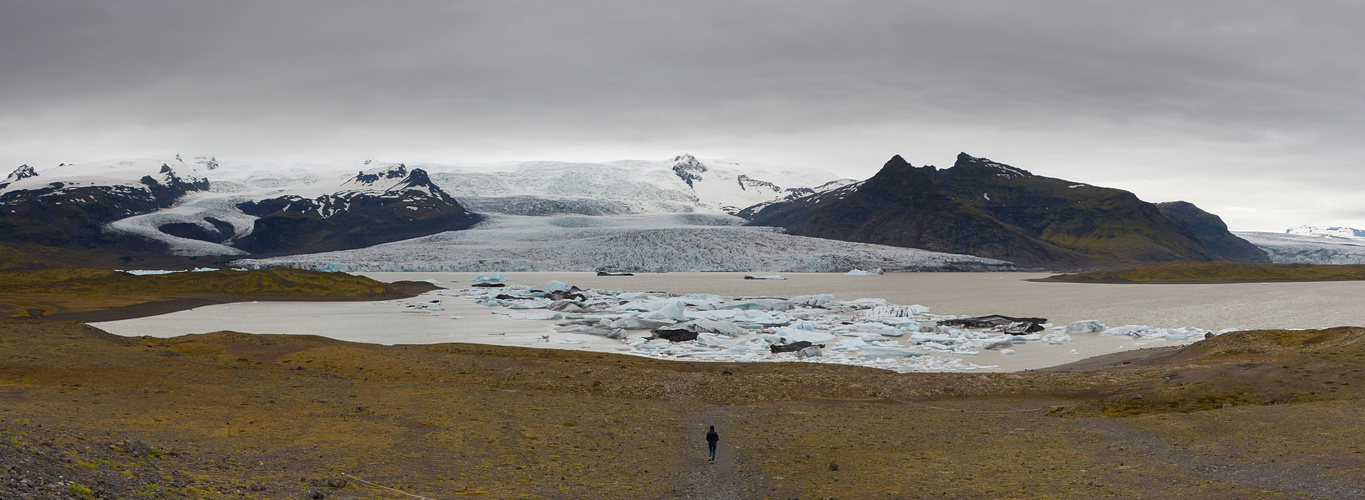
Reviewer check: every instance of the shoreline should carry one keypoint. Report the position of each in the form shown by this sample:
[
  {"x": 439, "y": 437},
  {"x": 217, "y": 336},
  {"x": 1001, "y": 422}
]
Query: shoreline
[
  {"x": 1186, "y": 282},
  {"x": 401, "y": 290},
  {"x": 460, "y": 319}
]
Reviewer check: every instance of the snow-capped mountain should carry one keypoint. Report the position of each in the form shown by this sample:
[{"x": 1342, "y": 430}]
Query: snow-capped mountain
[
  {"x": 207, "y": 207},
  {"x": 69, "y": 204},
  {"x": 1348, "y": 233},
  {"x": 678, "y": 185}
]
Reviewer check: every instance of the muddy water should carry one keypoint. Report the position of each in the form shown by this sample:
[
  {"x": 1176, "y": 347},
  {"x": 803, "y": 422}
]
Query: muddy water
[{"x": 1212, "y": 307}]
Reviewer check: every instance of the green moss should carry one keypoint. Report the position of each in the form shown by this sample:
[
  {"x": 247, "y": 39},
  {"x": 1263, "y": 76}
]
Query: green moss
[{"x": 76, "y": 489}]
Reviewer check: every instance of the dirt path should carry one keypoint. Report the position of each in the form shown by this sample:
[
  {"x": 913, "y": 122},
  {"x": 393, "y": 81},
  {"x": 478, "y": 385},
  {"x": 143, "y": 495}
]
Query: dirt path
[
  {"x": 714, "y": 480},
  {"x": 1289, "y": 481}
]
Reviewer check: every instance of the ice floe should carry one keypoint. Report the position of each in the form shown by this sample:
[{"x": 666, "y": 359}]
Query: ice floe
[{"x": 811, "y": 328}]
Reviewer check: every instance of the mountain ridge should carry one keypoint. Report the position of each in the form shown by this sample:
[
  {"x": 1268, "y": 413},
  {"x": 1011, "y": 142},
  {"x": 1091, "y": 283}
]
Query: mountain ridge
[{"x": 990, "y": 209}]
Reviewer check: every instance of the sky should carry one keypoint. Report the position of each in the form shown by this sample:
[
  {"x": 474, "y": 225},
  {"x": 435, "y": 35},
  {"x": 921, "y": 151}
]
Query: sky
[{"x": 1253, "y": 110}]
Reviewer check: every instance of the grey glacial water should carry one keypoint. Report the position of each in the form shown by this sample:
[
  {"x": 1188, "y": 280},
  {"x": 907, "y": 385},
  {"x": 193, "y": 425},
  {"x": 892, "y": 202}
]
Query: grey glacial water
[{"x": 1212, "y": 307}]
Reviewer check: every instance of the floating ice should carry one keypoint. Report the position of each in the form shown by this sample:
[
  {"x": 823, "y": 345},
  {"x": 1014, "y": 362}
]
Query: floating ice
[
  {"x": 798, "y": 335},
  {"x": 673, "y": 312},
  {"x": 490, "y": 277},
  {"x": 1085, "y": 326},
  {"x": 535, "y": 315},
  {"x": 741, "y": 329},
  {"x": 860, "y": 272},
  {"x": 887, "y": 351},
  {"x": 555, "y": 286}
]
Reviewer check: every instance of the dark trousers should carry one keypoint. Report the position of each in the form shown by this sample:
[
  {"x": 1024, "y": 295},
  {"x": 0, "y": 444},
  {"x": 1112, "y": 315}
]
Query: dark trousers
[{"x": 712, "y": 446}]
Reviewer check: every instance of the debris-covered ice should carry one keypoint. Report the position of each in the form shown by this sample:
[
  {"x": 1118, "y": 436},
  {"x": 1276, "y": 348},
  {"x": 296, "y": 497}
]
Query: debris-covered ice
[
  {"x": 811, "y": 328},
  {"x": 860, "y": 272}
]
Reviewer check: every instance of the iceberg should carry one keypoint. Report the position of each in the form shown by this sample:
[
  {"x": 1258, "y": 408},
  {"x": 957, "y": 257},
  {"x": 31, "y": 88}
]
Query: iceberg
[
  {"x": 1056, "y": 338},
  {"x": 794, "y": 335},
  {"x": 859, "y": 272},
  {"x": 491, "y": 277},
  {"x": 536, "y": 315},
  {"x": 721, "y": 327},
  {"x": 632, "y": 323},
  {"x": 1085, "y": 326},
  {"x": 556, "y": 286},
  {"x": 673, "y": 312},
  {"x": 530, "y": 304},
  {"x": 879, "y": 351},
  {"x": 850, "y": 344}
]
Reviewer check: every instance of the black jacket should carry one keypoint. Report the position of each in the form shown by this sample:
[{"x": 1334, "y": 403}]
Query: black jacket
[{"x": 712, "y": 437}]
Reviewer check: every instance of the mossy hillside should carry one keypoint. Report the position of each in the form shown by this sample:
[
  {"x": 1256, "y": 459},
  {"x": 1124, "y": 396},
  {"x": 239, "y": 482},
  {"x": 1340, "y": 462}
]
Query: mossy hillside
[
  {"x": 1217, "y": 272},
  {"x": 22, "y": 256},
  {"x": 1239, "y": 369},
  {"x": 227, "y": 412},
  {"x": 48, "y": 291}
]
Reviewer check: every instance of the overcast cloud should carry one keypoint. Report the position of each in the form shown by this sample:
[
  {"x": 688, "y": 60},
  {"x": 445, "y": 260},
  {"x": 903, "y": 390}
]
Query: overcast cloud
[{"x": 1252, "y": 110}]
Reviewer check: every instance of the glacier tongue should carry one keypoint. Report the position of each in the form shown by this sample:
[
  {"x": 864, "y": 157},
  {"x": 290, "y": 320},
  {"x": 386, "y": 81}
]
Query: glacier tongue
[{"x": 642, "y": 243}]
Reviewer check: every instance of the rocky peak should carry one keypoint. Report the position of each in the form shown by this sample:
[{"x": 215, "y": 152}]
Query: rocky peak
[
  {"x": 171, "y": 186},
  {"x": 984, "y": 166},
  {"x": 420, "y": 182},
  {"x": 374, "y": 175},
  {"x": 688, "y": 168},
  {"x": 23, "y": 172},
  {"x": 898, "y": 174},
  {"x": 417, "y": 178}
]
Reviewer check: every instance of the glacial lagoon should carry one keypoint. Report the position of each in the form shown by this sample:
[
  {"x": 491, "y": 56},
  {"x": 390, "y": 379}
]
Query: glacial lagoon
[{"x": 451, "y": 317}]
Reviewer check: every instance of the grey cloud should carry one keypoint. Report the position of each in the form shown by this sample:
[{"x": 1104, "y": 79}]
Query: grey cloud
[{"x": 835, "y": 83}]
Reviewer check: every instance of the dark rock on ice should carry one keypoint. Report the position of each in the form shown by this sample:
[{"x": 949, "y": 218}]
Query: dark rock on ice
[
  {"x": 792, "y": 347},
  {"x": 1008, "y": 323},
  {"x": 680, "y": 333},
  {"x": 572, "y": 294}
]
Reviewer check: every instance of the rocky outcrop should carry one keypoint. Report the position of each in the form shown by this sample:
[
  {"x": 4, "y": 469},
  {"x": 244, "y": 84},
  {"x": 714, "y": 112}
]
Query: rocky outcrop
[
  {"x": 410, "y": 208},
  {"x": 74, "y": 216}
]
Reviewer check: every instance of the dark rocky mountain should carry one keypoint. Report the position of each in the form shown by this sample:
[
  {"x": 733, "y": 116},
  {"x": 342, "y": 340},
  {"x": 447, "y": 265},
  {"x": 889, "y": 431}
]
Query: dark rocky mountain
[
  {"x": 990, "y": 209},
  {"x": 1209, "y": 231},
  {"x": 72, "y": 216},
  {"x": 410, "y": 208},
  {"x": 901, "y": 206}
]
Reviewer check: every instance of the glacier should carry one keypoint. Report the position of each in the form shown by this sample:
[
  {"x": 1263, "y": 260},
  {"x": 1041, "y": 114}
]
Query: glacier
[
  {"x": 638, "y": 243},
  {"x": 680, "y": 185},
  {"x": 1300, "y": 248}
]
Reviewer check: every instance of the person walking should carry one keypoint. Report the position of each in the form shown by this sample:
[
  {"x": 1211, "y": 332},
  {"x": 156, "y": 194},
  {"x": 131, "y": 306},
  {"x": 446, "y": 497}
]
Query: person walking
[{"x": 711, "y": 439}]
